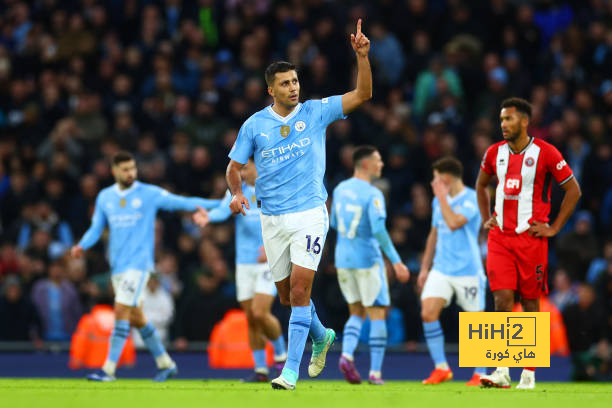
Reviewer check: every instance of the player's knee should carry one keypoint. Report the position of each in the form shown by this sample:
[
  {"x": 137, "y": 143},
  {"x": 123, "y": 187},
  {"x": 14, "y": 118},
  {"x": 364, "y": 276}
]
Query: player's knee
[
  {"x": 258, "y": 316},
  {"x": 531, "y": 305},
  {"x": 137, "y": 321},
  {"x": 429, "y": 315},
  {"x": 299, "y": 295},
  {"x": 360, "y": 312},
  {"x": 284, "y": 300},
  {"x": 249, "y": 316},
  {"x": 503, "y": 304}
]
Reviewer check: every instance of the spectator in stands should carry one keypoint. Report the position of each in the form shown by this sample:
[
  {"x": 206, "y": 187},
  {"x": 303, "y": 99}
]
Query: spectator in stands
[
  {"x": 564, "y": 292},
  {"x": 158, "y": 308},
  {"x": 167, "y": 273},
  {"x": 8, "y": 260},
  {"x": 606, "y": 211},
  {"x": 57, "y": 302},
  {"x": 45, "y": 219},
  {"x": 387, "y": 55},
  {"x": 577, "y": 248},
  {"x": 599, "y": 266},
  {"x": 15, "y": 197},
  {"x": 604, "y": 292},
  {"x": 586, "y": 324},
  {"x": 428, "y": 83},
  {"x": 201, "y": 310},
  {"x": 19, "y": 319}
]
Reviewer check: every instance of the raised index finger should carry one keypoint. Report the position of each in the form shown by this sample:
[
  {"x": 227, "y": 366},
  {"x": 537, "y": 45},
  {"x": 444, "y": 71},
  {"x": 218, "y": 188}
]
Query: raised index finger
[{"x": 359, "y": 26}]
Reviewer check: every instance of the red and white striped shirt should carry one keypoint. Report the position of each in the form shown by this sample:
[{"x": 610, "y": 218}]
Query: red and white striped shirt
[{"x": 523, "y": 182}]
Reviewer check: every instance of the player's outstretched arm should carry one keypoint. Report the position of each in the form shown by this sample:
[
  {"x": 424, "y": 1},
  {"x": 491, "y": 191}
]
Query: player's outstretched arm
[
  {"x": 207, "y": 203},
  {"x": 222, "y": 212},
  {"x": 76, "y": 251},
  {"x": 234, "y": 182},
  {"x": 484, "y": 200},
  {"x": 168, "y": 201},
  {"x": 570, "y": 199},
  {"x": 361, "y": 45},
  {"x": 200, "y": 217}
]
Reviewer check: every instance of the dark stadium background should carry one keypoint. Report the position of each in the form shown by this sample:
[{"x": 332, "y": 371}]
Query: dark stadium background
[{"x": 172, "y": 81}]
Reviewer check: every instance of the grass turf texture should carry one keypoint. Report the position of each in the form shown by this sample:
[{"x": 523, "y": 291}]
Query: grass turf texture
[{"x": 60, "y": 393}]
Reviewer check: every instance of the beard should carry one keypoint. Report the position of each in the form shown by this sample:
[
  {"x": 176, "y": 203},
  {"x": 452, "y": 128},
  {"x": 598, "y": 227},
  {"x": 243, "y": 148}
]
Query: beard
[
  {"x": 511, "y": 137},
  {"x": 126, "y": 183}
]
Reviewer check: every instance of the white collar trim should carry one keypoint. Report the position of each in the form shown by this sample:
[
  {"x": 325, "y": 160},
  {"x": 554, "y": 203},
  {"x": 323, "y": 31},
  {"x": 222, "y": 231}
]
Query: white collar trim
[
  {"x": 458, "y": 196},
  {"x": 287, "y": 118},
  {"x": 123, "y": 193}
]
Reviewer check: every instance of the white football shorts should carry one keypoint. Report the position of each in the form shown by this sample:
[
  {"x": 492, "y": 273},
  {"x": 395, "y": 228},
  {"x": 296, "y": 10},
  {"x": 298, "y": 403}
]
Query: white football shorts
[
  {"x": 469, "y": 290},
  {"x": 252, "y": 279},
  {"x": 129, "y": 286},
  {"x": 366, "y": 285},
  {"x": 296, "y": 238}
]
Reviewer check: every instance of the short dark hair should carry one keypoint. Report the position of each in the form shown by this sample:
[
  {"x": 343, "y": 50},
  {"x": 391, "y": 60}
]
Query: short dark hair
[
  {"x": 121, "y": 156},
  {"x": 449, "y": 165},
  {"x": 362, "y": 152},
  {"x": 278, "y": 66},
  {"x": 519, "y": 104}
]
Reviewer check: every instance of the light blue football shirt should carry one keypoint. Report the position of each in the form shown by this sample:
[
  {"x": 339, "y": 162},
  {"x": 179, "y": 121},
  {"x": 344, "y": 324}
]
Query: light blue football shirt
[
  {"x": 356, "y": 208},
  {"x": 457, "y": 252},
  {"x": 289, "y": 154},
  {"x": 130, "y": 217},
  {"x": 248, "y": 227}
]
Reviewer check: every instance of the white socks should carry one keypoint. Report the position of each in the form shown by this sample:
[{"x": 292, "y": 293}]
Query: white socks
[
  {"x": 164, "y": 361},
  {"x": 109, "y": 368}
]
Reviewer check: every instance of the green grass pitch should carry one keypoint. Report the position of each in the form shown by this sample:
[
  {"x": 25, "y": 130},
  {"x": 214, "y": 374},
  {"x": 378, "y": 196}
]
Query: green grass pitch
[{"x": 60, "y": 393}]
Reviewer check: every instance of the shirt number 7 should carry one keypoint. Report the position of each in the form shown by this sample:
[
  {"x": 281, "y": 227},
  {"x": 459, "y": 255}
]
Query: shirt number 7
[{"x": 357, "y": 213}]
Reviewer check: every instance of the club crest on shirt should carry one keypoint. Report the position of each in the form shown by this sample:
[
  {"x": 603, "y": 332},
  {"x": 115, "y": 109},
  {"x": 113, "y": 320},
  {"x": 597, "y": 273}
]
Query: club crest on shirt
[
  {"x": 529, "y": 162},
  {"x": 122, "y": 202},
  {"x": 284, "y": 130},
  {"x": 136, "y": 203},
  {"x": 300, "y": 125}
]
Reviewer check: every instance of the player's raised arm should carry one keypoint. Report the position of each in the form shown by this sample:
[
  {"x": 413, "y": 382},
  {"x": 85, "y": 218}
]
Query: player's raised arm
[
  {"x": 92, "y": 235},
  {"x": 361, "y": 45},
  {"x": 453, "y": 219},
  {"x": 234, "y": 182}
]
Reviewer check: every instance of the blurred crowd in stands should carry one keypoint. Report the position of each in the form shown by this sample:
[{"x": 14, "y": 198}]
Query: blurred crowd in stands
[{"x": 172, "y": 81}]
